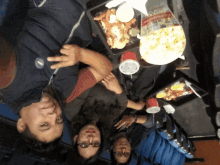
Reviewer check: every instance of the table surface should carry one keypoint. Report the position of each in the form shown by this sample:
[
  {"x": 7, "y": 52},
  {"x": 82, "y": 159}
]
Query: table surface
[{"x": 193, "y": 117}]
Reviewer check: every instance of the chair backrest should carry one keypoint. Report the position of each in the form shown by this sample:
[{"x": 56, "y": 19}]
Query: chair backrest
[{"x": 176, "y": 137}]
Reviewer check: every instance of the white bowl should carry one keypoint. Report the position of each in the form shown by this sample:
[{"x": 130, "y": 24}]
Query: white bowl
[{"x": 125, "y": 13}]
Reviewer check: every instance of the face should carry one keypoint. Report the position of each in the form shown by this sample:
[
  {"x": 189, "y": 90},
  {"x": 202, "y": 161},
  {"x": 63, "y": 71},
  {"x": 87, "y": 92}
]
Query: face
[
  {"x": 88, "y": 134},
  {"x": 122, "y": 145},
  {"x": 44, "y": 119}
]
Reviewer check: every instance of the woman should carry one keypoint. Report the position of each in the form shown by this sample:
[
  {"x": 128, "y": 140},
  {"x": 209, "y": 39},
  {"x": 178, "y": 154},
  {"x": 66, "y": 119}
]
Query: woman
[
  {"x": 141, "y": 139},
  {"x": 94, "y": 111},
  {"x": 109, "y": 91},
  {"x": 124, "y": 141},
  {"x": 89, "y": 129}
]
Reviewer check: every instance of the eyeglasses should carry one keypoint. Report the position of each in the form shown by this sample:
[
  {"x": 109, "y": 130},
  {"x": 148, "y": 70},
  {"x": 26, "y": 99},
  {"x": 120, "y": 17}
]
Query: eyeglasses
[
  {"x": 86, "y": 145},
  {"x": 126, "y": 154}
]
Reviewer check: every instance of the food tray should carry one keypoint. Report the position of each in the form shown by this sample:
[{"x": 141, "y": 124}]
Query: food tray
[
  {"x": 182, "y": 99},
  {"x": 93, "y": 12}
]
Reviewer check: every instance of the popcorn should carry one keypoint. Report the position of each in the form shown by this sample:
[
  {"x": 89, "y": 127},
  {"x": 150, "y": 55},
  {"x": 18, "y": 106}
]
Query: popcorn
[{"x": 163, "y": 43}]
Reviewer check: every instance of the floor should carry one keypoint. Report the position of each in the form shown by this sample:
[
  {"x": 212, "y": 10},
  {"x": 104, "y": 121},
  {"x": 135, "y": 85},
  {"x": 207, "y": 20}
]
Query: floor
[{"x": 209, "y": 150}]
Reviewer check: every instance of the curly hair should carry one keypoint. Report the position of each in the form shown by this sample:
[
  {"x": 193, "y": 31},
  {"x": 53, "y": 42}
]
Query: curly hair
[
  {"x": 36, "y": 145},
  {"x": 100, "y": 112}
]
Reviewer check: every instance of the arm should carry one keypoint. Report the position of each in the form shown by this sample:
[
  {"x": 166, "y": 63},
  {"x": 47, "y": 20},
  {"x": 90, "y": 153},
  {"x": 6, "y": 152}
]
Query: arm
[
  {"x": 146, "y": 121},
  {"x": 7, "y": 63},
  {"x": 99, "y": 65},
  {"x": 135, "y": 105},
  {"x": 112, "y": 84},
  {"x": 141, "y": 119}
]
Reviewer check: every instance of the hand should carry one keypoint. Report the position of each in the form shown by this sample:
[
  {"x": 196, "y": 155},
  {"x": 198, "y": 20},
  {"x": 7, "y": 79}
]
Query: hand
[
  {"x": 126, "y": 120},
  {"x": 140, "y": 105},
  {"x": 71, "y": 55},
  {"x": 112, "y": 84}
]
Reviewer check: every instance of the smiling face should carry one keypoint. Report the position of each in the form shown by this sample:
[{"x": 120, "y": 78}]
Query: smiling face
[
  {"x": 44, "y": 119},
  {"x": 87, "y": 135},
  {"x": 122, "y": 145}
]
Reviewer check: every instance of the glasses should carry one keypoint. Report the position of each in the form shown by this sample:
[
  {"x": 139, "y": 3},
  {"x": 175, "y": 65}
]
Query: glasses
[
  {"x": 86, "y": 145},
  {"x": 126, "y": 154}
]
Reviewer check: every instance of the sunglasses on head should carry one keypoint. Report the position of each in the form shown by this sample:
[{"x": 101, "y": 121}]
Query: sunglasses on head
[
  {"x": 86, "y": 145},
  {"x": 125, "y": 154}
]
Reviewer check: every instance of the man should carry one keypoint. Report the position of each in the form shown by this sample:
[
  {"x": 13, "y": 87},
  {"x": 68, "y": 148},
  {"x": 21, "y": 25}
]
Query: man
[{"x": 27, "y": 83}]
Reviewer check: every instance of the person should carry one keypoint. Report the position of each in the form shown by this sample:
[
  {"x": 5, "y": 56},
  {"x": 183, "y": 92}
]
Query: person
[
  {"x": 123, "y": 142},
  {"x": 107, "y": 94},
  {"x": 89, "y": 128},
  {"x": 142, "y": 139},
  {"x": 34, "y": 89},
  {"x": 107, "y": 90}
]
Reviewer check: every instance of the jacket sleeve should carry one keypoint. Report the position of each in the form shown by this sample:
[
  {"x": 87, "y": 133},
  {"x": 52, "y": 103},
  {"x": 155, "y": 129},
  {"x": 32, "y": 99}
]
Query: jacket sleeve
[
  {"x": 149, "y": 122},
  {"x": 150, "y": 119},
  {"x": 122, "y": 100}
]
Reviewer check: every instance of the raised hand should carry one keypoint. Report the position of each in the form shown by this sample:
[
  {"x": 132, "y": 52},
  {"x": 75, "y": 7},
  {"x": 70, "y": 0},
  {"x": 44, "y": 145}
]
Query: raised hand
[
  {"x": 126, "y": 120},
  {"x": 112, "y": 84},
  {"x": 71, "y": 55}
]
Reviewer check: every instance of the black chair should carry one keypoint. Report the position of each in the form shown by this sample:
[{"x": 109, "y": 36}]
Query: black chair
[{"x": 174, "y": 132}]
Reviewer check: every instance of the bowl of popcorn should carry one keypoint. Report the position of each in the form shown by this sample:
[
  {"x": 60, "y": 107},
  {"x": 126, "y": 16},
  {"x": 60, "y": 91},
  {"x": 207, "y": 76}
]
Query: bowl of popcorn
[{"x": 163, "y": 46}]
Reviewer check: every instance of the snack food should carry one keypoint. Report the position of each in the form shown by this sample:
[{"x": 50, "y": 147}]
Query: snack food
[
  {"x": 163, "y": 43},
  {"x": 116, "y": 31},
  {"x": 176, "y": 90}
]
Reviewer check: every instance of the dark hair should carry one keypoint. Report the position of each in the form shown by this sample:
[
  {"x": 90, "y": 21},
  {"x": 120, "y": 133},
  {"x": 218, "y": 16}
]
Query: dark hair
[
  {"x": 114, "y": 137},
  {"x": 33, "y": 143},
  {"x": 103, "y": 115}
]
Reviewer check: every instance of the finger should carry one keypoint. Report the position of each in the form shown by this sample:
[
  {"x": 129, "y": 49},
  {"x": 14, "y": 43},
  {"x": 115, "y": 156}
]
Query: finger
[
  {"x": 58, "y": 58},
  {"x": 120, "y": 125},
  {"x": 67, "y": 46},
  {"x": 128, "y": 125},
  {"x": 60, "y": 65},
  {"x": 112, "y": 74},
  {"x": 108, "y": 78},
  {"x": 105, "y": 83}
]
